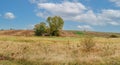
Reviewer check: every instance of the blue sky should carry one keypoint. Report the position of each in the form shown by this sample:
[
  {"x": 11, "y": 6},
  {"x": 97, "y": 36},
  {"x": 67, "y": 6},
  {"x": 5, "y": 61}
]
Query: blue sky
[{"x": 95, "y": 15}]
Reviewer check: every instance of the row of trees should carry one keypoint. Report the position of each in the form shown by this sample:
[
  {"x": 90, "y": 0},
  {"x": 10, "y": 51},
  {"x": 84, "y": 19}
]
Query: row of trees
[{"x": 52, "y": 27}]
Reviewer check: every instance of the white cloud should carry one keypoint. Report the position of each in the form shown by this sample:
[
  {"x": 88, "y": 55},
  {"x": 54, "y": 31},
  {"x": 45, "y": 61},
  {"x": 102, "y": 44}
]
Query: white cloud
[
  {"x": 63, "y": 8},
  {"x": 114, "y": 23},
  {"x": 85, "y": 27},
  {"x": 111, "y": 13},
  {"x": 9, "y": 15},
  {"x": 88, "y": 17},
  {"x": 110, "y": 16},
  {"x": 76, "y": 11},
  {"x": 117, "y": 2}
]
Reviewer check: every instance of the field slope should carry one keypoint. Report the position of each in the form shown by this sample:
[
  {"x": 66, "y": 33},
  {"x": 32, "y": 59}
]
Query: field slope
[
  {"x": 65, "y": 33},
  {"x": 21, "y": 50}
]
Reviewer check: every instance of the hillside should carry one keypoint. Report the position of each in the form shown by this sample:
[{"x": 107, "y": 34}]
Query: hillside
[
  {"x": 66, "y": 33},
  {"x": 17, "y": 32},
  {"x": 18, "y": 49}
]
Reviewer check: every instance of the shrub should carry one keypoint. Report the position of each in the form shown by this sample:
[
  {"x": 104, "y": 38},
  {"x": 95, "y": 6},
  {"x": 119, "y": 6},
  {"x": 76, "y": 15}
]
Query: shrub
[
  {"x": 40, "y": 29},
  {"x": 88, "y": 43},
  {"x": 113, "y": 36}
]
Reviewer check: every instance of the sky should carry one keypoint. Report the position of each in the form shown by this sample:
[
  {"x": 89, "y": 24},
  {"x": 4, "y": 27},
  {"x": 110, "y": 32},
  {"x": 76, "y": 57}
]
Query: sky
[{"x": 92, "y": 15}]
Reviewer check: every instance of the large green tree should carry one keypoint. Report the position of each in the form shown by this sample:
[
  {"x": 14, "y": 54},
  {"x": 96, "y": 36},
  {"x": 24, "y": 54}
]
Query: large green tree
[
  {"x": 53, "y": 28},
  {"x": 55, "y": 25},
  {"x": 40, "y": 29}
]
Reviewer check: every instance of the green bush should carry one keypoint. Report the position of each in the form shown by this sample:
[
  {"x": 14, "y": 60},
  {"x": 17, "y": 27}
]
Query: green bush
[
  {"x": 113, "y": 36},
  {"x": 40, "y": 29},
  {"x": 55, "y": 25}
]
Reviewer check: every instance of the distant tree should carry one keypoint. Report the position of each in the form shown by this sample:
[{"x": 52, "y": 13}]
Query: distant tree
[
  {"x": 2, "y": 29},
  {"x": 11, "y": 29},
  {"x": 40, "y": 29},
  {"x": 113, "y": 36},
  {"x": 55, "y": 25}
]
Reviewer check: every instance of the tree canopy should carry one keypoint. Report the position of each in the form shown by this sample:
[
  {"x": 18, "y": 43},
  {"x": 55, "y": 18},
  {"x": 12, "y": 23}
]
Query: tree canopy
[
  {"x": 55, "y": 25},
  {"x": 40, "y": 29}
]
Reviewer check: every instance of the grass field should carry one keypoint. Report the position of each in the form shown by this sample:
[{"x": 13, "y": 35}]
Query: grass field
[{"x": 20, "y": 50}]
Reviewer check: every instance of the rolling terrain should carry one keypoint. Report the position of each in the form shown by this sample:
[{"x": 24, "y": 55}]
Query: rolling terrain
[
  {"x": 66, "y": 33},
  {"x": 21, "y": 47}
]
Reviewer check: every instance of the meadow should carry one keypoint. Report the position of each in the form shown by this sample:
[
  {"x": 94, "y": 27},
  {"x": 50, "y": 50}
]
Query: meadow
[{"x": 21, "y": 50}]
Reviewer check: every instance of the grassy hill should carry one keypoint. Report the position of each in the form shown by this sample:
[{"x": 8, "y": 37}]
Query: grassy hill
[
  {"x": 21, "y": 47},
  {"x": 65, "y": 33},
  {"x": 21, "y": 50}
]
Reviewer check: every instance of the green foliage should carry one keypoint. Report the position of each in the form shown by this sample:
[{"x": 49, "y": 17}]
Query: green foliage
[
  {"x": 79, "y": 33},
  {"x": 113, "y": 36},
  {"x": 40, "y": 29},
  {"x": 55, "y": 24}
]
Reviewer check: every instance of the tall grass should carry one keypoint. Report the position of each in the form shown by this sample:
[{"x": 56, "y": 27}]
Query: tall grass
[
  {"x": 88, "y": 43},
  {"x": 59, "y": 51}
]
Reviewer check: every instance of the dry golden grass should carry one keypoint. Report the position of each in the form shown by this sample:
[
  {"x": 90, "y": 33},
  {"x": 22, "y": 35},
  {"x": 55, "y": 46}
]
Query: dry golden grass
[{"x": 16, "y": 50}]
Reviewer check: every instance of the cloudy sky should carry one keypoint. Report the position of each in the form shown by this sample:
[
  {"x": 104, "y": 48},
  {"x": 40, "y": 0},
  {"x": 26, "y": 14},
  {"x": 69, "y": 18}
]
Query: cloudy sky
[{"x": 95, "y": 15}]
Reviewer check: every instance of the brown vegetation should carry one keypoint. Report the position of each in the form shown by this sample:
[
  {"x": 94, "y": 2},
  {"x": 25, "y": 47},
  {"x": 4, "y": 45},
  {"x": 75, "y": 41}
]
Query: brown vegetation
[
  {"x": 62, "y": 33},
  {"x": 17, "y": 32},
  {"x": 20, "y": 50},
  {"x": 31, "y": 33}
]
